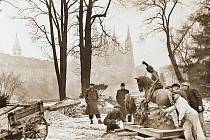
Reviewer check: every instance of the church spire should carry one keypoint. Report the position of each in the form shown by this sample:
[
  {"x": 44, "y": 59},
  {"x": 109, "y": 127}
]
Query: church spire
[
  {"x": 16, "y": 48},
  {"x": 128, "y": 41},
  {"x": 128, "y": 34},
  {"x": 129, "y": 53}
]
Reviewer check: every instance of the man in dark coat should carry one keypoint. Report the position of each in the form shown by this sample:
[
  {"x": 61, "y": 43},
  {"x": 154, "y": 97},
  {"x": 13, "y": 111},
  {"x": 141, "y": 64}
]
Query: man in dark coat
[
  {"x": 130, "y": 106},
  {"x": 91, "y": 98},
  {"x": 120, "y": 97},
  {"x": 195, "y": 101},
  {"x": 112, "y": 117}
]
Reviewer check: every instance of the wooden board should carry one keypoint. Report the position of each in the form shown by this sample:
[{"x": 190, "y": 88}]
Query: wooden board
[
  {"x": 127, "y": 134},
  {"x": 119, "y": 130},
  {"x": 142, "y": 138},
  {"x": 26, "y": 111},
  {"x": 156, "y": 133}
]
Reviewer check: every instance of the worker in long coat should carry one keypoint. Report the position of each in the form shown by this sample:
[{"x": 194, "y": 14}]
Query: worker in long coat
[
  {"x": 91, "y": 98},
  {"x": 120, "y": 97},
  {"x": 112, "y": 117},
  {"x": 188, "y": 117}
]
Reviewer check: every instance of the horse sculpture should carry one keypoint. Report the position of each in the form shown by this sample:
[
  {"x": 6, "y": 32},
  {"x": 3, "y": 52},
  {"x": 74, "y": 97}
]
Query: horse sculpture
[
  {"x": 159, "y": 96},
  {"x": 162, "y": 97}
]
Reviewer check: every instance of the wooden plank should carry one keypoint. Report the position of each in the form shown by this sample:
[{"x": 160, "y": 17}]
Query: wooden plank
[
  {"x": 10, "y": 109},
  {"x": 172, "y": 133},
  {"x": 19, "y": 114},
  {"x": 144, "y": 131},
  {"x": 119, "y": 130},
  {"x": 27, "y": 112},
  {"x": 127, "y": 134},
  {"x": 148, "y": 138},
  {"x": 157, "y": 133}
]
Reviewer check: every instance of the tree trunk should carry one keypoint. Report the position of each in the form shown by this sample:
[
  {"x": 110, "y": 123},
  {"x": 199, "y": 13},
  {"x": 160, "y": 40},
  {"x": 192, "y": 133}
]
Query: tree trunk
[
  {"x": 82, "y": 51},
  {"x": 173, "y": 60},
  {"x": 88, "y": 43},
  {"x": 61, "y": 74},
  {"x": 63, "y": 49}
]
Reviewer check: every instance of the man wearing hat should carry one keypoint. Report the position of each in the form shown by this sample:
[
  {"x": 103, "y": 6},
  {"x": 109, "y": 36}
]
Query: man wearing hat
[
  {"x": 188, "y": 118},
  {"x": 175, "y": 86},
  {"x": 91, "y": 98},
  {"x": 176, "y": 89},
  {"x": 154, "y": 75},
  {"x": 195, "y": 101},
  {"x": 169, "y": 88},
  {"x": 112, "y": 118},
  {"x": 120, "y": 97}
]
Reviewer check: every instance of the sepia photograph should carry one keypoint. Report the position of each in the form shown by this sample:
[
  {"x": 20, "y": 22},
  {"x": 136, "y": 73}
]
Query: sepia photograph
[{"x": 104, "y": 69}]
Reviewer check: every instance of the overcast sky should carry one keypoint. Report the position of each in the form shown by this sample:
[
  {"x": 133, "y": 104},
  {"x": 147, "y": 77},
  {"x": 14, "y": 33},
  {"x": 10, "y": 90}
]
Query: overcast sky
[{"x": 151, "y": 49}]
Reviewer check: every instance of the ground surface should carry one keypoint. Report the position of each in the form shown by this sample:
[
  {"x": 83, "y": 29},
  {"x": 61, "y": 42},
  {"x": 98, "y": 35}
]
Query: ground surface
[{"x": 67, "y": 128}]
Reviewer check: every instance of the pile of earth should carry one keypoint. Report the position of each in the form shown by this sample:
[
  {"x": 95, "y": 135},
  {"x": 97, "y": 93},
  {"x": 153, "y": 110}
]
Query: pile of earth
[{"x": 105, "y": 105}]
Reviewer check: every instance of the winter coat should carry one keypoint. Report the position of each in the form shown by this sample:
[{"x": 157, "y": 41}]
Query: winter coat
[
  {"x": 120, "y": 97},
  {"x": 113, "y": 116},
  {"x": 195, "y": 99},
  {"x": 91, "y": 98},
  {"x": 130, "y": 104}
]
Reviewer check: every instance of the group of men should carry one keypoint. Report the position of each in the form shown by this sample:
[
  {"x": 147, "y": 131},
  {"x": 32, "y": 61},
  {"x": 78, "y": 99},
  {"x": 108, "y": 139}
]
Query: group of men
[
  {"x": 188, "y": 104},
  {"x": 117, "y": 114},
  {"x": 185, "y": 100}
]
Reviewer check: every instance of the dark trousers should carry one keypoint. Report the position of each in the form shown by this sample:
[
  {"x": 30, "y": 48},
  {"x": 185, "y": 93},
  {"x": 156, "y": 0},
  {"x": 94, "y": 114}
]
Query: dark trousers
[
  {"x": 98, "y": 116},
  {"x": 112, "y": 127}
]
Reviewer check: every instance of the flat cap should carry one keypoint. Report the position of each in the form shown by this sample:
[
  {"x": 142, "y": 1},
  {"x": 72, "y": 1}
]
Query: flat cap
[{"x": 185, "y": 84}]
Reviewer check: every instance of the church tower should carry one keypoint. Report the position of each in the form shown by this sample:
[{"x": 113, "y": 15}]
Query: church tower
[
  {"x": 129, "y": 52},
  {"x": 16, "y": 48}
]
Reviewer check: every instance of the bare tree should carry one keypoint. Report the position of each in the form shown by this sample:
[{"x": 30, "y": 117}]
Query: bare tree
[
  {"x": 85, "y": 33},
  {"x": 9, "y": 84},
  {"x": 50, "y": 19},
  {"x": 163, "y": 10}
]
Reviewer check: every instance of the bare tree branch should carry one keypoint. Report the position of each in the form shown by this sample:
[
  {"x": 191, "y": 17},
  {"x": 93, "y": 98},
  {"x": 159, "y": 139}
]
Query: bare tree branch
[{"x": 101, "y": 15}]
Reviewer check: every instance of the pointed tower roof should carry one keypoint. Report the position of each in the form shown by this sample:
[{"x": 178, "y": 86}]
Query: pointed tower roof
[
  {"x": 128, "y": 34},
  {"x": 128, "y": 41},
  {"x": 129, "y": 61}
]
